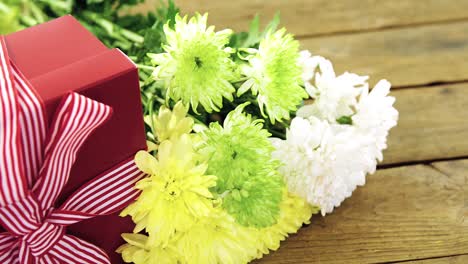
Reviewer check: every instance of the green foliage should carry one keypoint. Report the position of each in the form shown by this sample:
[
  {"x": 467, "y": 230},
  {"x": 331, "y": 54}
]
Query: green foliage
[{"x": 9, "y": 18}]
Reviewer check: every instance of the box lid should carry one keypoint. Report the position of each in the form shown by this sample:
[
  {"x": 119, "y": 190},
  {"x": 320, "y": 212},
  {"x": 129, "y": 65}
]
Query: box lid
[{"x": 52, "y": 45}]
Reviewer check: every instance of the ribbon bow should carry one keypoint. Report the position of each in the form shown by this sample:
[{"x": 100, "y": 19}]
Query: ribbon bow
[{"x": 35, "y": 166}]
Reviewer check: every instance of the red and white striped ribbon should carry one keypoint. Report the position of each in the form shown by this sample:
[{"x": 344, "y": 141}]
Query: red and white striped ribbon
[{"x": 35, "y": 166}]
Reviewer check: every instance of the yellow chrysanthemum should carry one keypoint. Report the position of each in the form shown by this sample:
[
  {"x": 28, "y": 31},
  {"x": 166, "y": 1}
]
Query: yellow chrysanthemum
[
  {"x": 170, "y": 124},
  {"x": 175, "y": 194},
  {"x": 294, "y": 212},
  {"x": 138, "y": 251},
  {"x": 215, "y": 239}
]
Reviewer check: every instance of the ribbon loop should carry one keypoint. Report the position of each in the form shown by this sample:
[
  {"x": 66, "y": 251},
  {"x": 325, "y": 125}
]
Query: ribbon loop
[{"x": 77, "y": 118}]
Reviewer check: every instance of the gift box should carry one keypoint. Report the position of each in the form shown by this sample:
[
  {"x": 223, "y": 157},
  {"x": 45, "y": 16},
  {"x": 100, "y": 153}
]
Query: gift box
[{"x": 59, "y": 57}]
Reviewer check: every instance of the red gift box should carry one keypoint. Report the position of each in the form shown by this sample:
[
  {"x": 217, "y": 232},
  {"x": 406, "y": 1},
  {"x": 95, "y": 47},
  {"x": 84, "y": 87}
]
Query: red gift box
[{"x": 62, "y": 56}]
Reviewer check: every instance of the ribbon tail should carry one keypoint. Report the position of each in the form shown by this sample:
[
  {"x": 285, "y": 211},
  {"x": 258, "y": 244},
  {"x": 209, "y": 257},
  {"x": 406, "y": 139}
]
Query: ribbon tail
[
  {"x": 75, "y": 120},
  {"x": 10, "y": 257},
  {"x": 12, "y": 180},
  {"x": 73, "y": 250},
  {"x": 33, "y": 126},
  {"x": 109, "y": 192},
  {"x": 25, "y": 255},
  {"x": 9, "y": 252}
]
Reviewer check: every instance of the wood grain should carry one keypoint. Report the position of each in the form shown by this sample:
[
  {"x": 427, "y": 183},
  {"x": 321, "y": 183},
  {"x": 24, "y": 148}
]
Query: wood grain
[
  {"x": 312, "y": 17},
  {"x": 406, "y": 57},
  {"x": 458, "y": 168},
  {"x": 432, "y": 124},
  {"x": 404, "y": 213}
]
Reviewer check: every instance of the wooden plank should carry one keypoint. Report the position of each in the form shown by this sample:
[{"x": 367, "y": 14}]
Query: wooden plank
[
  {"x": 406, "y": 57},
  {"x": 432, "y": 124},
  {"x": 457, "y": 169},
  {"x": 461, "y": 259},
  {"x": 404, "y": 213},
  {"x": 312, "y": 17}
]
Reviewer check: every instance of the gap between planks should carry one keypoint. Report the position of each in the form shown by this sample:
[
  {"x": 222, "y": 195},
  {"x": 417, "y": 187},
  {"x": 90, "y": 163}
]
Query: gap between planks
[
  {"x": 419, "y": 162},
  {"x": 453, "y": 259}
]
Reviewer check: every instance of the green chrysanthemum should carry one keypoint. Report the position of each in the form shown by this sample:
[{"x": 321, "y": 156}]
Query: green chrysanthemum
[
  {"x": 239, "y": 154},
  {"x": 196, "y": 67},
  {"x": 274, "y": 74}
]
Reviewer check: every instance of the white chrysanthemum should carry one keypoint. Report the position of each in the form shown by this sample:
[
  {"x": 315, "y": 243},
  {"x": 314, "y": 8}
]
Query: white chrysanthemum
[
  {"x": 348, "y": 96},
  {"x": 334, "y": 96},
  {"x": 375, "y": 116},
  {"x": 322, "y": 162}
]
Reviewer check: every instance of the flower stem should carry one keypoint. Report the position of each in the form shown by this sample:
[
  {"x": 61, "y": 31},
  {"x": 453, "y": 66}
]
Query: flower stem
[{"x": 145, "y": 67}]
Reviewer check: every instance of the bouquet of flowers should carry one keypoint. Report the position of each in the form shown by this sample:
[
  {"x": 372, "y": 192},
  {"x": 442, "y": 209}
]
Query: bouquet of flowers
[
  {"x": 225, "y": 184},
  {"x": 248, "y": 136}
]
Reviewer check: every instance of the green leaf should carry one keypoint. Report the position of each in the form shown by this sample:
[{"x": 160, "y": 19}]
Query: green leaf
[
  {"x": 273, "y": 25},
  {"x": 254, "y": 36},
  {"x": 345, "y": 120},
  {"x": 254, "y": 33}
]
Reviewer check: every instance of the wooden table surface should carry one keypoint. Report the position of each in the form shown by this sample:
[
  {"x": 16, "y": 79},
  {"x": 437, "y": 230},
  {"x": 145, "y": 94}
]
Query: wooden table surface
[{"x": 415, "y": 208}]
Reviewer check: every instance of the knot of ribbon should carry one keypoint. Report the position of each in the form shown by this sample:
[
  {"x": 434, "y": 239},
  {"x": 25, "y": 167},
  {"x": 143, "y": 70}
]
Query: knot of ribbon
[{"x": 35, "y": 164}]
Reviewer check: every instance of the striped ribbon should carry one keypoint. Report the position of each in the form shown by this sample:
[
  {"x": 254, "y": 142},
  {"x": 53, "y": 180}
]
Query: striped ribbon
[{"x": 35, "y": 165}]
